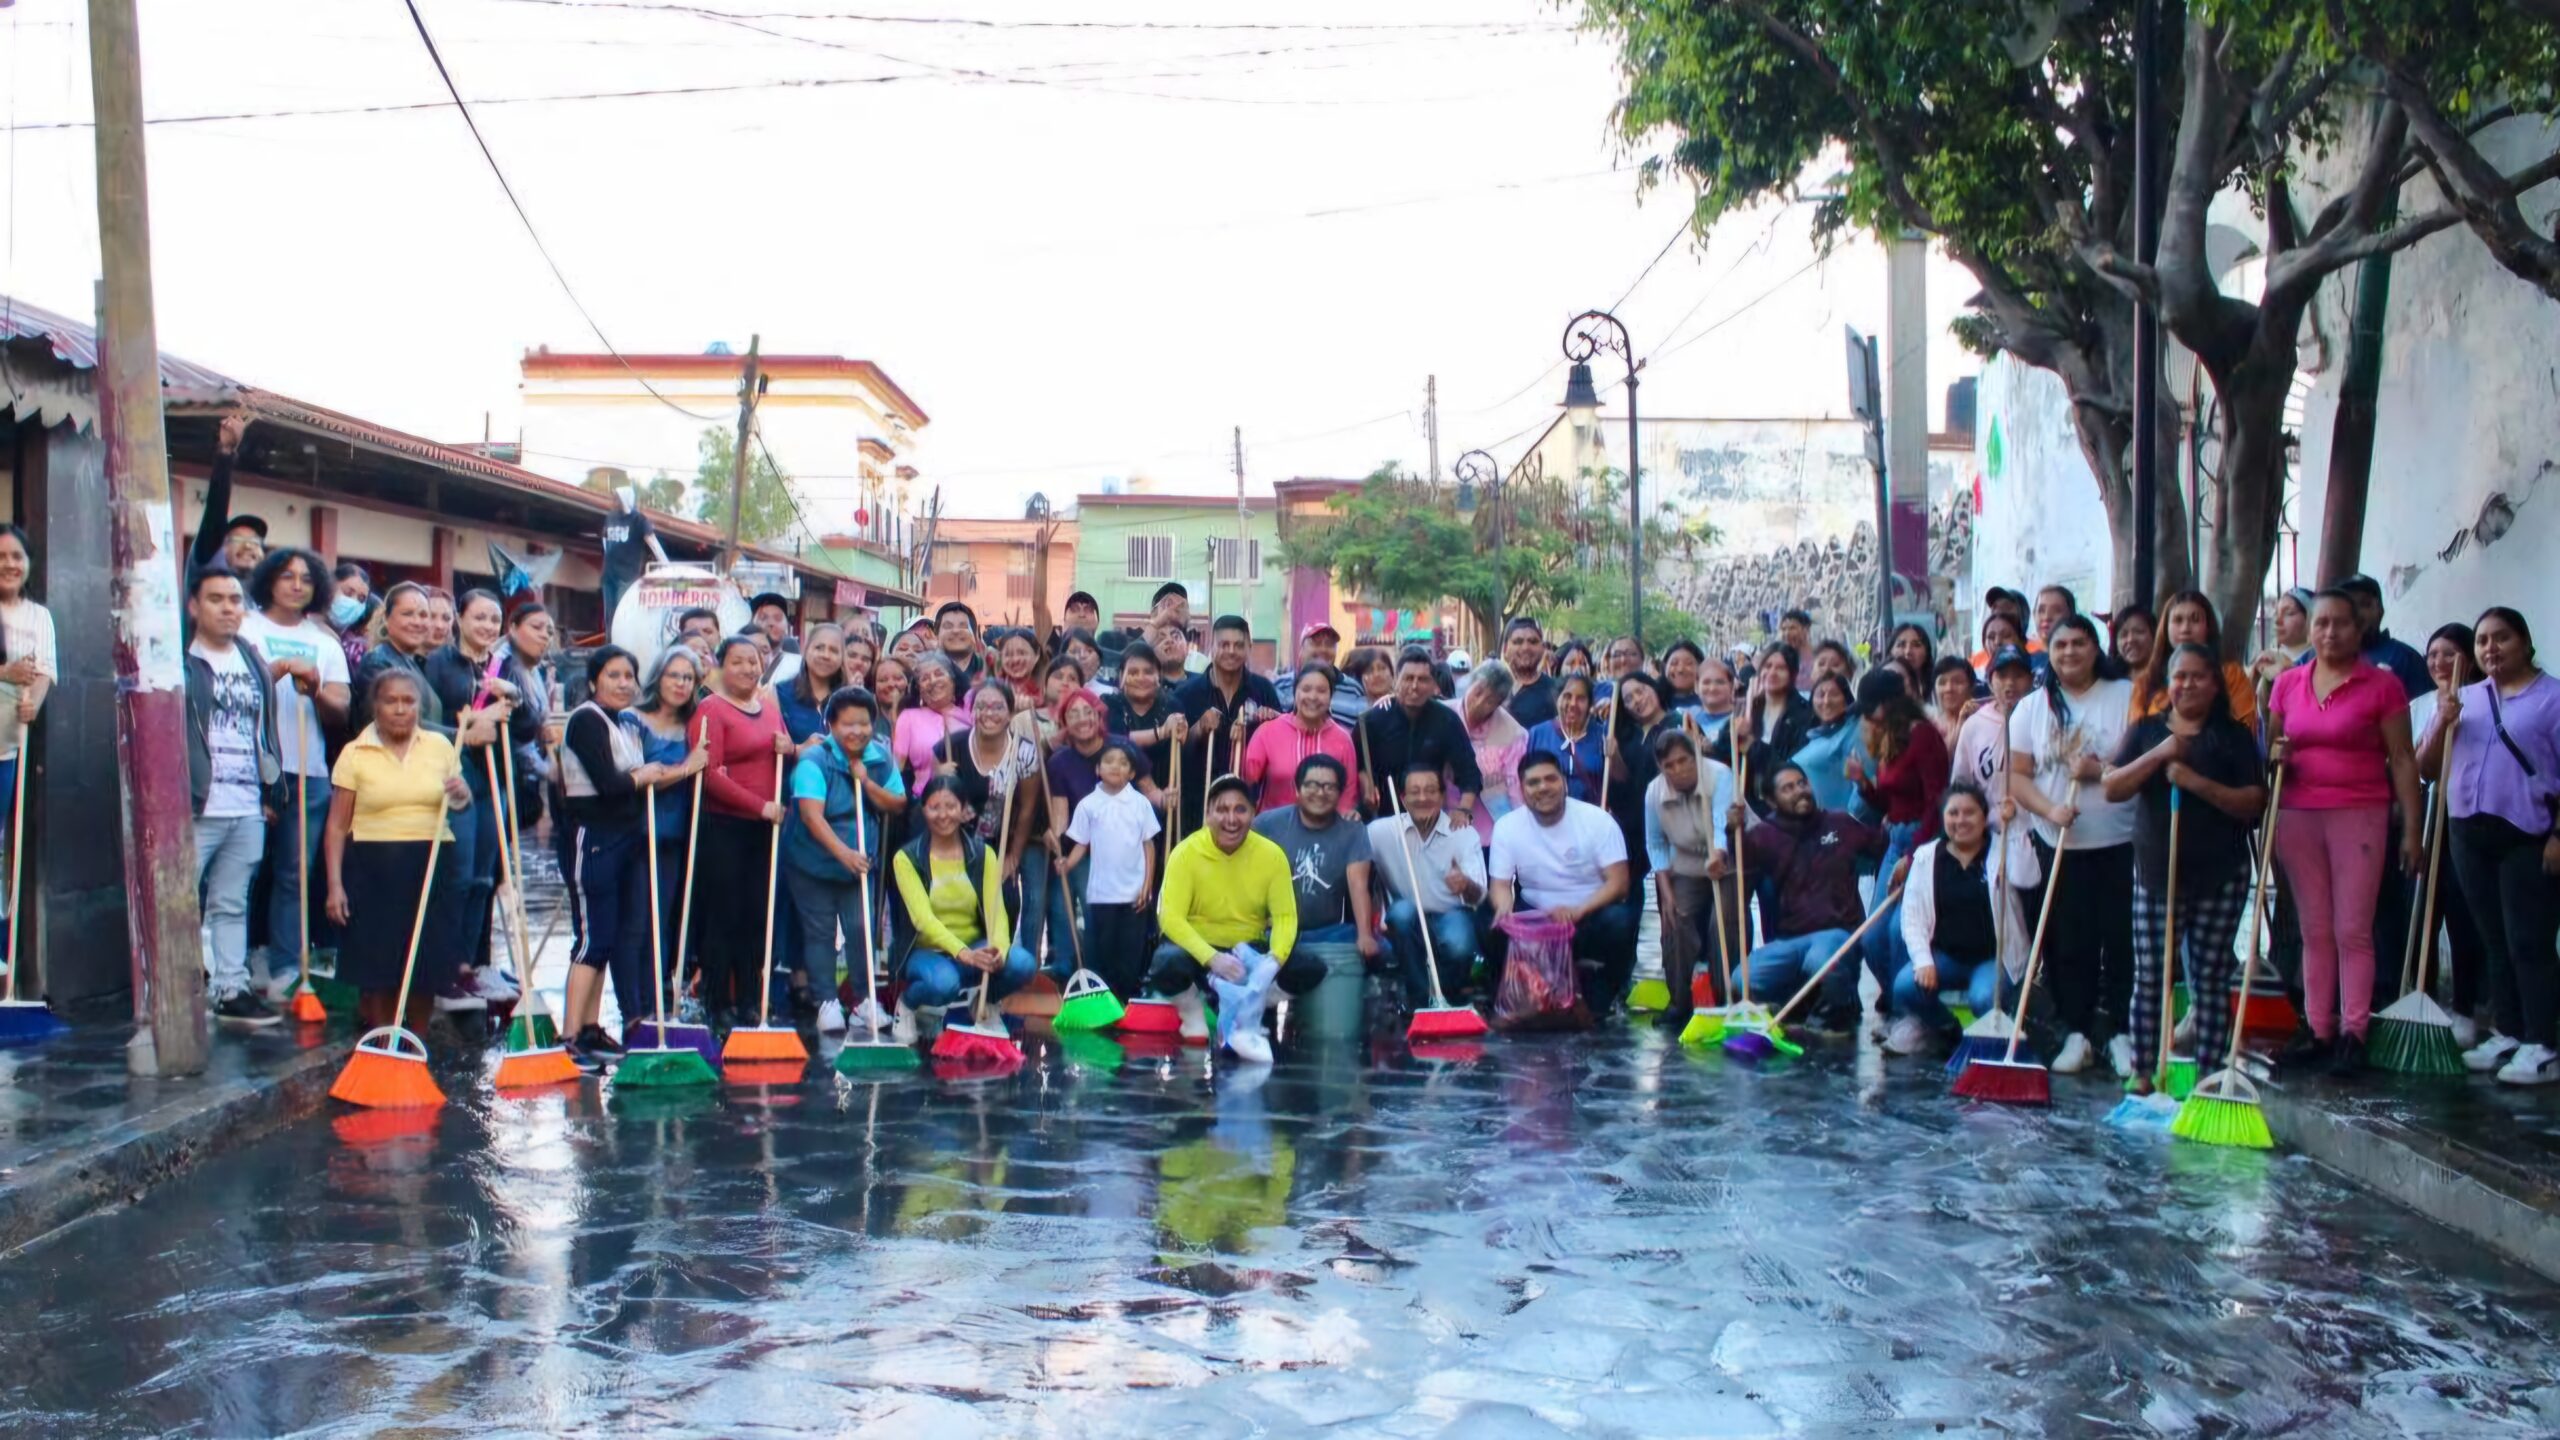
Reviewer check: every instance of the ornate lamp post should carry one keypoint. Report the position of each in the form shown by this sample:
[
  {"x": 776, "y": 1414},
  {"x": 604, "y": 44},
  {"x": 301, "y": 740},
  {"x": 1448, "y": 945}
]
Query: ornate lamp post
[
  {"x": 1592, "y": 332},
  {"x": 1479, "y": 474}
]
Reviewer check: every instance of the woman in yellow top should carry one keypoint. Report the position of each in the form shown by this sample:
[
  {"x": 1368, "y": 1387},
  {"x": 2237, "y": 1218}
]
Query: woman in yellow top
[
  {"x": 952, "y": 884},
  {"x": 389, "y": 794},
  {"x": 2190, "y": 620}
]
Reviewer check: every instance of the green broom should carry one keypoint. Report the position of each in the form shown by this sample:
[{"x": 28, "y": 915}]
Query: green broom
[
  {"x": 2414, "y": 1035},
  {"x": 1707, "y": 1025},
  {"x": 656, "y": 1065},
  {"x": 875, "y": 1053},
  {"x": 2223, "y": 1108}
]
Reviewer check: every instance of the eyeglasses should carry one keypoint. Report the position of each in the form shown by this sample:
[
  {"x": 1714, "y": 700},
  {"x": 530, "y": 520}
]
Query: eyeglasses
[{"x": 1321, "y": 785}]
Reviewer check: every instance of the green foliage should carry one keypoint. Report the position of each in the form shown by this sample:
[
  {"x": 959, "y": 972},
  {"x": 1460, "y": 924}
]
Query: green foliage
[
  {"x": 662, "y": 492},
  {"x": 1600, "y": 613},
  {"x": 770, "y": 510}
]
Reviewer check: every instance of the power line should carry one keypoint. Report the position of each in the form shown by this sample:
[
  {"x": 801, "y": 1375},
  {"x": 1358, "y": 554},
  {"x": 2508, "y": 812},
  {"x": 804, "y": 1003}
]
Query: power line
[
  {"x": 565, "y": 288},
  {"x": 1743, "y": 309},
  {"x": 1656, "y": 260},
  {"x": 968, "y": 22}
]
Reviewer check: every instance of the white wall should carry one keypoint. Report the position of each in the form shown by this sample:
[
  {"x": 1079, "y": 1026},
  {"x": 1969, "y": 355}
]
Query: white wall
[{"x": 2042, "y": 522}]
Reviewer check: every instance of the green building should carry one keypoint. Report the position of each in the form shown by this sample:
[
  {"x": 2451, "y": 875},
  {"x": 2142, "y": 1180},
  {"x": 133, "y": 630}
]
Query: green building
[{"x": 1128, "y": 546}]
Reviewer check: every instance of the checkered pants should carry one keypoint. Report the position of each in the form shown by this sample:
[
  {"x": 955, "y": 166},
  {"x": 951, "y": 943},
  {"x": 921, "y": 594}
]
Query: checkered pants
[{"x": 2208, "y": 923}]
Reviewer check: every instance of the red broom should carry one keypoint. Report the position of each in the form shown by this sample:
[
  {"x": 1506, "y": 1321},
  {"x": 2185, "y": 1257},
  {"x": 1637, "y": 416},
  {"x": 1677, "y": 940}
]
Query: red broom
[
  {"x": 2009, "y": 1080},
  {"x": 1438, "y": 1020},
  {"x": 764, "y": 1040},
  {"x": 306, "y": 1008},
  {"x": 383, "y": 1074},
  {"x": 536, "y": 1064},
  {"x": 977, "y": 1045},
  {"x": 1154, "y": 1014}
]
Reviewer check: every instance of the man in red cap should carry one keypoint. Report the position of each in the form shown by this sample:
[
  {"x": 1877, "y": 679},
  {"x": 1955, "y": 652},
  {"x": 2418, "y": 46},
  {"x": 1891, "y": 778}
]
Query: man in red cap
[{"x": 1317, "y": 644}]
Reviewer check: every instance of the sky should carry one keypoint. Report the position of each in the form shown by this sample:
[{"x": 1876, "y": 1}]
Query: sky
[{"x": 1087, "y": 236}]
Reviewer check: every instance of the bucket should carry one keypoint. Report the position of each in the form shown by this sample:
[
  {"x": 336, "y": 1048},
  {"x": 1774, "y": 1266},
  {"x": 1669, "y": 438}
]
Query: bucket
[{"x": 1333, "y": 1010}]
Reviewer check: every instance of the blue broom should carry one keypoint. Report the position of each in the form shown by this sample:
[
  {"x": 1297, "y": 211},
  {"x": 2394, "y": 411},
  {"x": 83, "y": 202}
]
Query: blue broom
[
  {"x": 22, "y": 1022},
  {"x": 661, "y": 1033}
]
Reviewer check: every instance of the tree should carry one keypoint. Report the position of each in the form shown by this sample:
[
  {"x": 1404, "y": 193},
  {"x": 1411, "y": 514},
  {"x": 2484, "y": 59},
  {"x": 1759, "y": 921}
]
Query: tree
[
  {"x": 1601, "y": 612},
  {"x": 1968, "y": 121},
  {"x": 661, "y": 491},
  {"x": 771, "y": 510}
]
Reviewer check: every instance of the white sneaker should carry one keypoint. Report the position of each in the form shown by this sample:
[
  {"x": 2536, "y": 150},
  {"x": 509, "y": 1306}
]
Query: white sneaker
[
  {"x": 904, "y": 1029},
  {"x": 2490, "y": 1054},
  {"x": 2532, "y": 1065},
  {"x": 870, "y": 1015},
  {"x": 831, "y": 1019},
  {"x": 1195, "y": 1016},
  {"x": 2074, "y": 1057},
  {"x": 1906, "y": 1036},
  {"x": 1250, "y": 1046},
  {"x": 2466, "y": 1032},
  {"x": 2120, "y": 1055},
  {"x": 495, "y": 985}
]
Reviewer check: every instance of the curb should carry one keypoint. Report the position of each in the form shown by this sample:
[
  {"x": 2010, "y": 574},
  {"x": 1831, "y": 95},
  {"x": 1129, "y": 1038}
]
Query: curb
[
  {"x": 194, "y": 1120},
  {"x": 2464, "y": 1189}
]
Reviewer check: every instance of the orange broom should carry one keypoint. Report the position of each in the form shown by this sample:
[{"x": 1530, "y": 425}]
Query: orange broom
[
  {"x": 536, "y": 1063},
  {"x": 764, "y": 1040},
  {"x": 306, "y": 1008},
  {"x": 383, "y": 1074},
  {"x": 977, "y": 1044}
]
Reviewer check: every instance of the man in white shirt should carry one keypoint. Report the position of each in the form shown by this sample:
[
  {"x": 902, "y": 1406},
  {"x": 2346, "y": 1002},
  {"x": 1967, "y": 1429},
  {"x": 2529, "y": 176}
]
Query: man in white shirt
[
  {"x": 310, "y": 671},
  {"x": 1434, "y": 872},
  {"x": 231, "y": 762},
  {"x": 1568, "y": 859}
]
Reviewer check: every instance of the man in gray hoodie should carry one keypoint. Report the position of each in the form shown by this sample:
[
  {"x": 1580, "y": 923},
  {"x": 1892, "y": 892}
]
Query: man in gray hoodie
[{"x": 233, "y": 769}]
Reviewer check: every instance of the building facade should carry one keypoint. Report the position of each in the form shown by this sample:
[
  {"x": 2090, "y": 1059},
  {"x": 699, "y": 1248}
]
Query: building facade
[
  {"x": 1128, "y": 546},
  {"x": 988, "y": 565}
]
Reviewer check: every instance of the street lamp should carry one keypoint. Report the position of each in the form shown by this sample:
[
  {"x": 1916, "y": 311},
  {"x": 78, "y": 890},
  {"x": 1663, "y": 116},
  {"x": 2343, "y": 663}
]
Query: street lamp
[
  {"x": 1591, "y": 332},
  {"x": 1478, "y": 470}
]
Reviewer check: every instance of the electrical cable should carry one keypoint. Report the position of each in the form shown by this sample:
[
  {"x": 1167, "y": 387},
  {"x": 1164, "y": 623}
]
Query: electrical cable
[
  {"x": 495, "y": 169},
  {"x": 981, "y": 23}
]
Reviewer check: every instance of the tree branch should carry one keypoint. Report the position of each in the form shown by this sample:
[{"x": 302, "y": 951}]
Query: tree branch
[{"x": 2485, "y": 199}]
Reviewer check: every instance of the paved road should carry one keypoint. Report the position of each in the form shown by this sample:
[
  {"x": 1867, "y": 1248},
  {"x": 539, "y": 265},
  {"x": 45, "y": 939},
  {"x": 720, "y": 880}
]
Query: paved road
[{"x": 1598, "y": 1236}]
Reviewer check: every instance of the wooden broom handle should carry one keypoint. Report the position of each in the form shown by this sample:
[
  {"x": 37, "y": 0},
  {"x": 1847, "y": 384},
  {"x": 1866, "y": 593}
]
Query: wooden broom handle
[
  {"x": 862, "y": 846},
  {"x": 2249, "y": 965},
  {"x": 1421, "y": 921},
  {"x": 692, "y": 837},
  {"x": 2169, "y": 947},
  {"x": 1846, "y": 946},
  {"x": 418, "y": 926},
  {"x": 773, "y": 877},
  {"x": 657, "y": 936},
  {"x": 2044, "y": 913},
  {"x": 17, "y": 850},
  {"x": 2436, "y": 838}
]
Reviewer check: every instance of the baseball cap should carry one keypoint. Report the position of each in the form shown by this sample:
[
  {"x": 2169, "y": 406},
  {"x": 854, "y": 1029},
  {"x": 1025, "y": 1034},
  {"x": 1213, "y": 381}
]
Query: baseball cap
[
  {"x": 1170, "y": 587},
  {"x": 1321, "y": 627},
  {"x": 2360, "y": 585},
  {"x": 1083, "y": 597},
  {"x": 1461, "y": 660},
  {"x": 772, "y": 598},
  {"x": 247, "y": 522},
  {"x": 2009, "y": 655}
]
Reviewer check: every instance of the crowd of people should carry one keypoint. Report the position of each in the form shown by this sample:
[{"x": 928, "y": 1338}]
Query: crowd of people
[{"x": 956, "y": 806}]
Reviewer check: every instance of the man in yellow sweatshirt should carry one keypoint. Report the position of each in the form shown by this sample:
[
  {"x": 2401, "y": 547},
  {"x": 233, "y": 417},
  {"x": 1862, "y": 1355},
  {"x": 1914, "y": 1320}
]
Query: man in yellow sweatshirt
[{"x": 1224, "y": 887}]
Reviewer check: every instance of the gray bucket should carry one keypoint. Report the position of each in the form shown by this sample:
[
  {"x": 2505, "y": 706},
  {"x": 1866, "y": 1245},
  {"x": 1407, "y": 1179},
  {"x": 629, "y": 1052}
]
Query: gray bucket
[{"x": 1333, "y": 1010}]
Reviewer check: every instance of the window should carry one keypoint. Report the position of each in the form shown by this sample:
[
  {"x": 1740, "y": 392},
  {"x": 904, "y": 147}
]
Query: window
[
  {"x": 1222, "y": 561},
  {"x": 1150, "y": 557}
]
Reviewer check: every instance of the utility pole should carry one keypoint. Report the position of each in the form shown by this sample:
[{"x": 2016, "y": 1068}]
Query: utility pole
[
  {"x": 1244, "y": 547},
  {"x": 750, "y": 389},
  {"x": 150, "y": 645},
  {"x": 1431, "y": 421}
]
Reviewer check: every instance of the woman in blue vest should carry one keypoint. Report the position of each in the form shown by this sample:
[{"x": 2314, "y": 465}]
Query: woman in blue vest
[{"x": 842, "y": 791}]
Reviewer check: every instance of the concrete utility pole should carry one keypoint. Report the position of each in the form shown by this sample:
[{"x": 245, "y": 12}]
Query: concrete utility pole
[
  {"x": 750, "y": 389},
  {"x": 1431, "y": 420},
  {"x": 1244, "y": 545},
  {"x": 150, "y": 642},
  {"x": 1906, "y": 416}
]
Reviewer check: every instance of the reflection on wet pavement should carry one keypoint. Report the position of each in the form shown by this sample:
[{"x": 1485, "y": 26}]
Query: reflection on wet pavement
[{"x": 1598, "y": 1236}]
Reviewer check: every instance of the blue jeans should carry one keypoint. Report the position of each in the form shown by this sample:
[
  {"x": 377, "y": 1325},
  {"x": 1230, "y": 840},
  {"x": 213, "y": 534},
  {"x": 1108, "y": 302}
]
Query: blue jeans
[
  {"x": 1453, "y": 944},
  {"x": 935, "y": 979},
  {"x": 227, "y": 854},
  {"x": 1979, "y": 981},
  {"x": 1887, "y": 956},
  {"x": 1045, "y": 911},
  {"x": 288, "y": 908},
  {"x": 475, "y": 860},
  {"x": 1779, "y": 968}
]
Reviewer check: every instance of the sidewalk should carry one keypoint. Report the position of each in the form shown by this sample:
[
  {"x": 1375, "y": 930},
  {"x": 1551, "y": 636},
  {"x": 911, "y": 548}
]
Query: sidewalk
[{"x": 78, "y": 1134}]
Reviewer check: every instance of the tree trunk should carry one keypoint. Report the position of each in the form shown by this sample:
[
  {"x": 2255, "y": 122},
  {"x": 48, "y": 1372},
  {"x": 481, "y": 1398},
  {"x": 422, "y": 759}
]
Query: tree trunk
[
  {"x": 2253, "y": 457},
  {"x": 2101, "y": 416}
]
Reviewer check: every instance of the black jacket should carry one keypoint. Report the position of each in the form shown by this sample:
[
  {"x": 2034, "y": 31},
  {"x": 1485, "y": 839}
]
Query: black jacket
[{"x": 200, "y": 721}]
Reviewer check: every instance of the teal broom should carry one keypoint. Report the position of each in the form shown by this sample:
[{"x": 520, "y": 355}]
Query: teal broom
[{"x": 657, "y": 1065}]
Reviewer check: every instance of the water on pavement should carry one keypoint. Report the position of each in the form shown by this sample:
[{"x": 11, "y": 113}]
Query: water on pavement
[{"x": 1587, "y": 1235}]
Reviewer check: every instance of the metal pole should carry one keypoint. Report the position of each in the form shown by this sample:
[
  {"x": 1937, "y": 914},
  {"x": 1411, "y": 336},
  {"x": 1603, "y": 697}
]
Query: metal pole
[
  {"x": 748, "y": 386},
  {"x": 1635, "y": 518},
  {"x": 150, "y": 644},
  {"x": 2149, "y": 195},
  {"x": 1244, "y": 541}
]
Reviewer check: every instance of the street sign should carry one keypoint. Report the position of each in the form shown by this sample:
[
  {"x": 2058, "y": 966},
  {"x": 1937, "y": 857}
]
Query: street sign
[{"x": 1865, "y": 401}]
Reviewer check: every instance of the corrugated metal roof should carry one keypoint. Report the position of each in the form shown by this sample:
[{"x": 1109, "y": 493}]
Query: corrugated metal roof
[{"x": 76, "y": 344}]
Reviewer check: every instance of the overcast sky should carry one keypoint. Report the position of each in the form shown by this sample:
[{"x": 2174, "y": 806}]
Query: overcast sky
[{"x": 1087, "y": 250}]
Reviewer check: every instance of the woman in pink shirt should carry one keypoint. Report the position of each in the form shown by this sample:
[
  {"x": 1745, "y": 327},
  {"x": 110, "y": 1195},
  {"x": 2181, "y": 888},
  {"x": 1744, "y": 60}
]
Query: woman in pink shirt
[
  {"x": 1273, "y": 755},
  {"x": 933, "y": 717},
  {"x": 2341, "y": 728}
]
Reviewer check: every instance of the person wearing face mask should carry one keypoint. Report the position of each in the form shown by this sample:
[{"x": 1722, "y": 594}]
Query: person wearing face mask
[
  {"x": 351, "y": 611},
  {"x": 311, "y": 698}
]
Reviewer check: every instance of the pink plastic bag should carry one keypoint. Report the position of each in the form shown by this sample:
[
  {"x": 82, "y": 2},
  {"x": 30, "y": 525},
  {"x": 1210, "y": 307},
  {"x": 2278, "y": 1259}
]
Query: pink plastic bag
[{"x": 1538, "y": 986}]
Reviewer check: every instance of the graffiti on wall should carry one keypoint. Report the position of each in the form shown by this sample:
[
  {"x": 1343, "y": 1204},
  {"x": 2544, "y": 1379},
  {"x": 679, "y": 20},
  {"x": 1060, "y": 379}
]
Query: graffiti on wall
[{"x": 1737, "y": 597}]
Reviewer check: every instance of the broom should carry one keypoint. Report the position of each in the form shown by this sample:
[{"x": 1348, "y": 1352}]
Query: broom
[
  {"x": 977, "y": 1044},
  {"x": 532, "y": 1058},
  {"x": 2223, "y": 1109},
  {"x": 2414, "y": 1035},
  {"x": 1760, "y": 1039},
  {"x": 1988, "y": 1035},
  {"x": 1088, "y": 1003},
  {"x": 764, "y": 1040},
  {"x": 877, "y": 1052},
  {"x": 1154, "y": 1014},
  {"x": 306, "y": 1008},
  {"x": 1706, "y": 1026},
  {"x": 662, "y": 1032},
  {"x": 2157, "y": 1108},
  {"x": 658, "y": 1065},
  {"x": 21, "y": 1021},
  {"x": 382, "y": 1074},
  {"x": 2009, "y": 1080},
  {"x": 1438, "y": 1020}
]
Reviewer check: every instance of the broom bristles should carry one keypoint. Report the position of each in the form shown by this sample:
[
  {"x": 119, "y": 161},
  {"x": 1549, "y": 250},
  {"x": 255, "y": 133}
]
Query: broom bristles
[
  {"x": 307, "y": 1009},
  {"x": 2223, "y": 1110},
  {"x": 380, "y": 1076},
  {"x": 1445, "y": 1022},
  {"x": 2416, "y": 1041},
  {"x": 535, "y": 1030},
  {"x": 523, "y": 1069},
  {"x": 24, "y": 1020},
  {"x": 1705, "y": 1027},
  {"x": 1151, "y": 1015},
  {"x": 663, "y": 1067},
  {"x": 968, "y": 1044},
  {"x": 765, "y": 1072},
  {"x": 1089, "y": 1004},
  {"x": 2006, "y": 1082},
  {"x": 774, "y": 1043},
  {"x": 874, "y": 1055}
]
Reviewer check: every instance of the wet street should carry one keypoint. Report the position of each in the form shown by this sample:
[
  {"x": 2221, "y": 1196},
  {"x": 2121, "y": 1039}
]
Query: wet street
[{"x": 1597, "y": 1236}]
